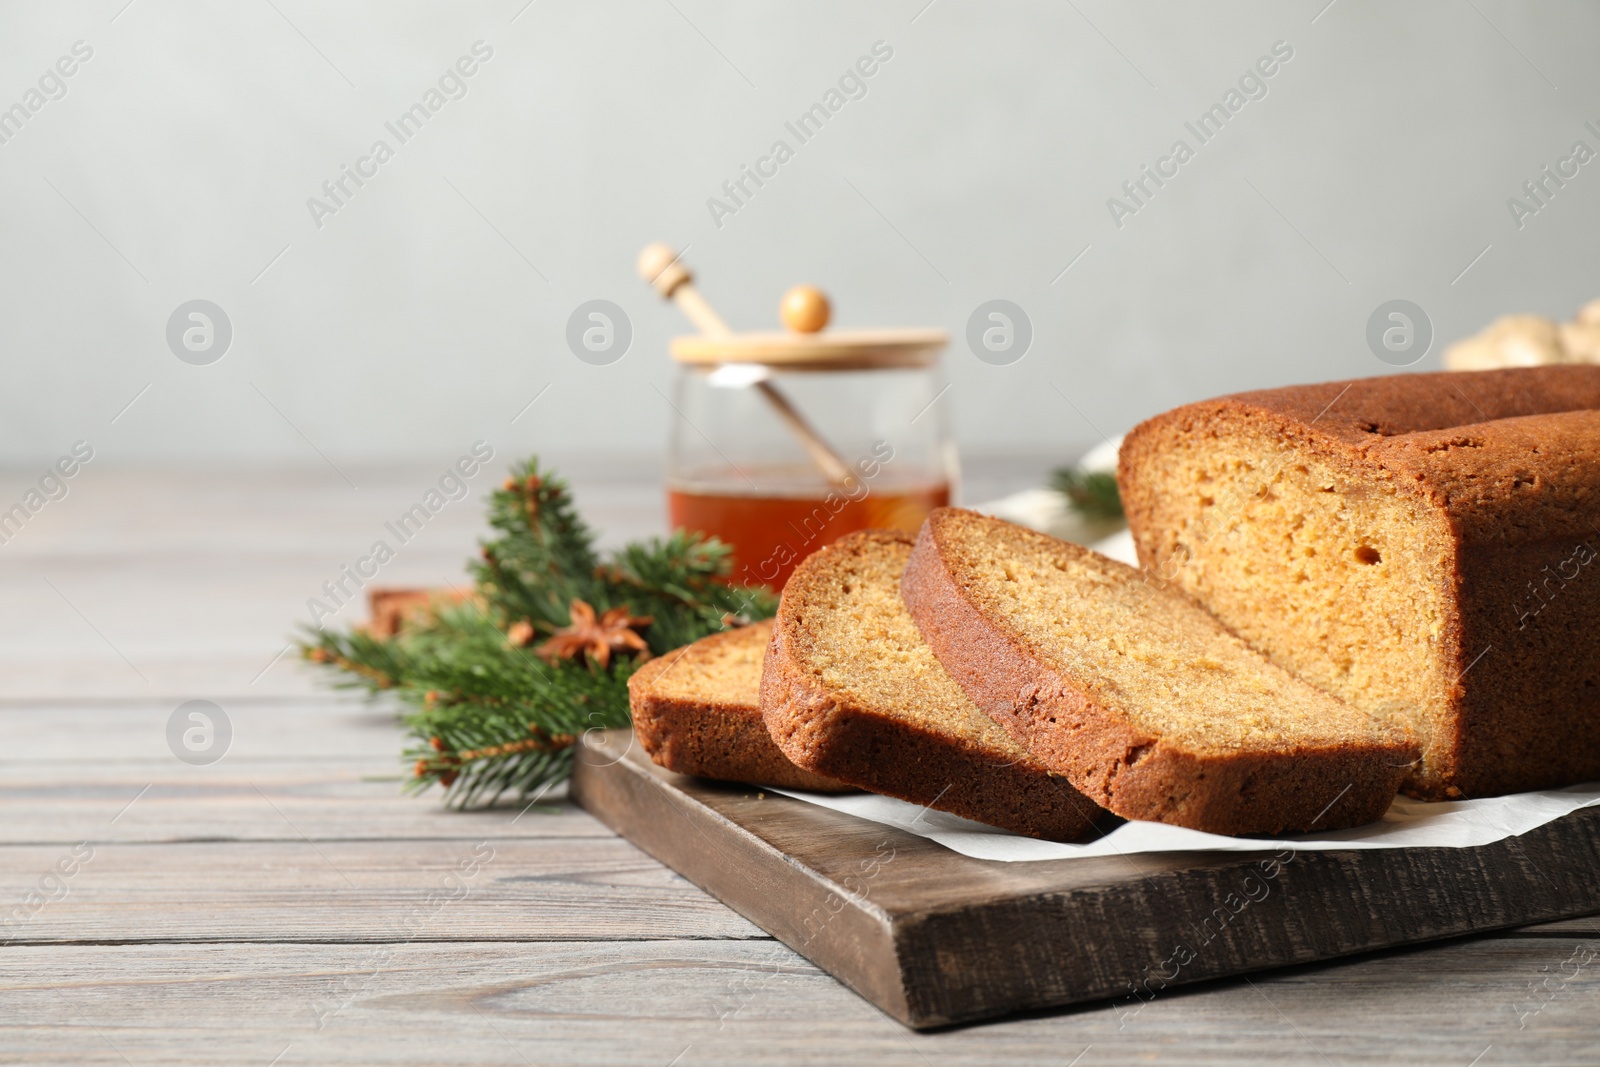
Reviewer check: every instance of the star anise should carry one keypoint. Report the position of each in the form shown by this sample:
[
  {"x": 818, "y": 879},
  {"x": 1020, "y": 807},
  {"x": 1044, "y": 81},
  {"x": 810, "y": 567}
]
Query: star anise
[{"x": 597, "y": 638}]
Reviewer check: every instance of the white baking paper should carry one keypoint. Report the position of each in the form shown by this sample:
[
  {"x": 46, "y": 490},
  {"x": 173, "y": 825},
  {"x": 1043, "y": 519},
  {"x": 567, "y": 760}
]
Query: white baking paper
[{"x": 1408, "y": 824}]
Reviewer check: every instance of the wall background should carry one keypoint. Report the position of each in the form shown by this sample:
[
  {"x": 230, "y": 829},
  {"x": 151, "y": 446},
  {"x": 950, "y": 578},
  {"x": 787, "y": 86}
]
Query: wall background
[{"x": 978, "y": 165}]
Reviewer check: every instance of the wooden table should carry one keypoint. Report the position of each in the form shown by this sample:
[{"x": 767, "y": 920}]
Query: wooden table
[{"x": 288, "y": 905}]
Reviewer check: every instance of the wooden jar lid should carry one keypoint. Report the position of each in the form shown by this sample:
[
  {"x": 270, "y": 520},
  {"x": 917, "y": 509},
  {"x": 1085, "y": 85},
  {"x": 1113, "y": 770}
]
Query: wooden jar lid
[
  {"x": 828, "y": 350},
  {"x": 804, "y": 309}
]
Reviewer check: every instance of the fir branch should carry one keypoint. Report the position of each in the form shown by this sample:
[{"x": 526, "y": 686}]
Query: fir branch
[
  {"x": 368, "y": 662},
  {"x": 682, "y": 582},
  {"x": 1093, "y": 495},
  {"x": 488, "y": 717},
  {"x": 544, "y": 556}
]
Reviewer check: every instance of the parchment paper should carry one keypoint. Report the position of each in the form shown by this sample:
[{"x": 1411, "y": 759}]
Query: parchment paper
[{"x": 1408, "y": 824}]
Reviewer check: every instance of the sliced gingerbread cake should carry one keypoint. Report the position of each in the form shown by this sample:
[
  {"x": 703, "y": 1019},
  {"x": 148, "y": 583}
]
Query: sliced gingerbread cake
[
  {"x": 850, "y": 690},
  {"x": 1421, "y": 545},
  {"x": 696, "y": 711},
  {"x": 1138, "y": 695}
]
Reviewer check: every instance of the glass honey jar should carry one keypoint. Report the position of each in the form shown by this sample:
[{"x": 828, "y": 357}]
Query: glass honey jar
[{"x": 783, "y": 442}]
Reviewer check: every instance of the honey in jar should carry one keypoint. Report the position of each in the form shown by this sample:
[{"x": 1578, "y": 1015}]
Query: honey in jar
[
  {"x": 772, "y": 531},
  {"x": 784, "y": 442}
]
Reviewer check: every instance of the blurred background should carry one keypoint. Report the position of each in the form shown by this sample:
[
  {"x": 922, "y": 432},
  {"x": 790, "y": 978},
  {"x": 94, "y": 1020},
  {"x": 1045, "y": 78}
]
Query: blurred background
[
  {"x": 431, "y": 306},
  {"x": 378, "y": 329}
]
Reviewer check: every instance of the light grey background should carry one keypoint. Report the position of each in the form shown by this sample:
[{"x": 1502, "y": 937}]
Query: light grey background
[{"x": 978, "y": 166}]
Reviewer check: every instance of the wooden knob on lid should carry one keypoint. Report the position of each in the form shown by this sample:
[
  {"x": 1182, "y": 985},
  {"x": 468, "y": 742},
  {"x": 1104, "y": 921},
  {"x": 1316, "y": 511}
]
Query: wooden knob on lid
[
  {"x": 805, "y": 309},
  {"x": 658, "y": 264}
]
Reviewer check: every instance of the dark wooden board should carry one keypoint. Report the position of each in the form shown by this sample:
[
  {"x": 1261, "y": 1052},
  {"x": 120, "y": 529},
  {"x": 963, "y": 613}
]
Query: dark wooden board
[{"x": 933, "y": 937}]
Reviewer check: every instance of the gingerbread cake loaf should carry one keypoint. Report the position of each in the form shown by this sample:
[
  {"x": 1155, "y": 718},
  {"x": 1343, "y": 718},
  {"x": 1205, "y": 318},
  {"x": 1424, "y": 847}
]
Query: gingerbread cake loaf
[
  {"x": 695, "y": 711},
  {"x": 1138, "y": 695},
  {"x": 1422, "y": 546},
  {"x": 850, "y": 690}
]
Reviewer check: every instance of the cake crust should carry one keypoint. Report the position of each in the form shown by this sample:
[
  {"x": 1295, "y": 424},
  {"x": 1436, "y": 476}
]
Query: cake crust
[
  {"x": 1503, "y": 469},
  {"x": 1130, "y": 769},
  {"x": 715, "y": 732}
]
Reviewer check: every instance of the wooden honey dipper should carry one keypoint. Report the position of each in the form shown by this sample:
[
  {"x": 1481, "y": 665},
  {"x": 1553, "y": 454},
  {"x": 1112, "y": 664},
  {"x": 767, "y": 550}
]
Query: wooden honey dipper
[{"x": 804, "y": 309}]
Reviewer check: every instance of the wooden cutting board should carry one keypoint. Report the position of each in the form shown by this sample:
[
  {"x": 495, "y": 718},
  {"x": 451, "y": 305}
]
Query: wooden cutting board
[{"x": 933, "y": 937}]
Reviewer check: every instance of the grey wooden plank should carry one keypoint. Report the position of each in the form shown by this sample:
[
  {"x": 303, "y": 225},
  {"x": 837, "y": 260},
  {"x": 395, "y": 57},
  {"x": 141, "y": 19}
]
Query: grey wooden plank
[
  {"x": 253, "y": 800},
  {"x": 1584, "y": 926},
  {"x": 285, "y": 510},
  {"x": 185, "y": 583},
  {"x": 750, "y": 1002},
  {"x": 331, "y": 766},
  {"x": 174, "y": 628},
  {"x": 320, "y": 726},
  {"x": 461, "y": 889}
]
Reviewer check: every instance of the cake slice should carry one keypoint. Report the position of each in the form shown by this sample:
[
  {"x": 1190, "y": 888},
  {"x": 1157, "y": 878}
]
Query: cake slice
[
  {"x": 1138, "y": 695},
  {"x": 850, "y": 690},
  {"x": 695, "y": 711},
  {"x": 1420, "y": 545}
]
